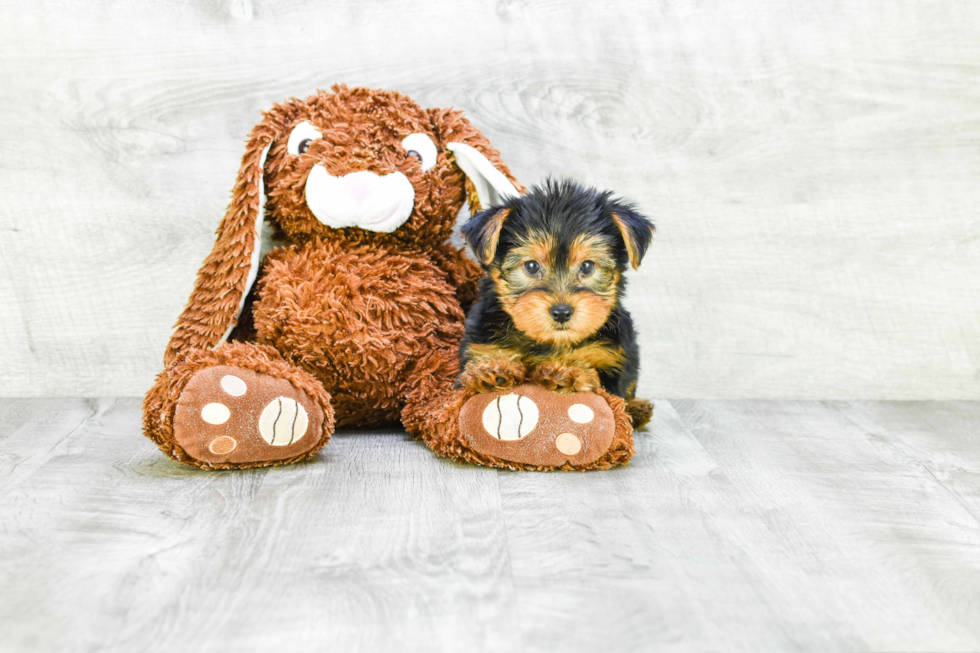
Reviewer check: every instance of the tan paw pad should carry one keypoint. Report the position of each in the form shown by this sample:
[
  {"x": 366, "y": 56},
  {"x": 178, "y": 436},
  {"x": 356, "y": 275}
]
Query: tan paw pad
[
  {"x": 510, "y": 417},
  {"x": 283, "y": 422},
  {"x": 568, "y": 444},
  {"x": 222, "y": 445},
  {"x": 233, "y": 385},
  {"x": 580, "y": 413},
  {"x": 215, "y": 413}
]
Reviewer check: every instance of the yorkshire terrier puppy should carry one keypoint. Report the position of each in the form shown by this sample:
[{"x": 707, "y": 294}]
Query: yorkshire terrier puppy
[{"x": 549, "y": 308}]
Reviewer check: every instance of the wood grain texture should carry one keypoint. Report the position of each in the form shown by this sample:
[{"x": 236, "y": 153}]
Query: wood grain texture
[
  {"x": 739, "y": 525},
  {"x": 813, "y": 169}
]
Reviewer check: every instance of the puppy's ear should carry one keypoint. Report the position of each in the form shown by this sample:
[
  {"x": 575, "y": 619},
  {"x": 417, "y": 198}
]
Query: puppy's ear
[
  {"x": 482, "y": 233},
  {"x": 230, "y": 269},
  {"x": 489, "y": 176},
  {"x": 637, "y": 231}
]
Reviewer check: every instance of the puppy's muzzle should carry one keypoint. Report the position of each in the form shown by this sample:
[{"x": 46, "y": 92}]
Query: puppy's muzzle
[{"x": 380, "y": 203}]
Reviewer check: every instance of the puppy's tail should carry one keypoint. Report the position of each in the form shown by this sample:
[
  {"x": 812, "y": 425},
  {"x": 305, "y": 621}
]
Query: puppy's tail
[{"x": 640, "y": 412}]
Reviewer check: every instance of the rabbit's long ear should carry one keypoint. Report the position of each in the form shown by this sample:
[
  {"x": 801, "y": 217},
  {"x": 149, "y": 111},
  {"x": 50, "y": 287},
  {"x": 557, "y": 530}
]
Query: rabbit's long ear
[
  {"x": 230, "y": 269},
  {"x": 492, "y": 186},
  {"x": 489, "y": 176}
]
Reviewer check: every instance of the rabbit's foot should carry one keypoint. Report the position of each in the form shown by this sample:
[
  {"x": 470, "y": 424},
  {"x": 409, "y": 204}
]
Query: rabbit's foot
[
  {"x": 229, "y": 414},
  {"x": 539, "y": 428}
]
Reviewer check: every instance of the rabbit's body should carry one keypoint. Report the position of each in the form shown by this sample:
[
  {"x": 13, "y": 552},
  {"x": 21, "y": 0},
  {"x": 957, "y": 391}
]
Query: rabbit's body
[
  {"x": 359, "y": 318},
  {"x": 360, "y": 311}
]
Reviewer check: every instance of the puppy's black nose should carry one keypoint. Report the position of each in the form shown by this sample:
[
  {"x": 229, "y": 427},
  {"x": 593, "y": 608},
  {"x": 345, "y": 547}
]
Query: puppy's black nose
[{"x": 561, "y": 313}]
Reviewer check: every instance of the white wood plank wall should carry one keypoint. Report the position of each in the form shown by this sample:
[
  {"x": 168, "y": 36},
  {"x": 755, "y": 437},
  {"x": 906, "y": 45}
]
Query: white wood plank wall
[{"x": 814, "y": 168}]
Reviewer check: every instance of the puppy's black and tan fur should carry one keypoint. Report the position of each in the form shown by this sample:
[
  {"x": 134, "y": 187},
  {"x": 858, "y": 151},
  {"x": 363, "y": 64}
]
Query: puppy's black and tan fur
[{"x": 549, "y": 308}]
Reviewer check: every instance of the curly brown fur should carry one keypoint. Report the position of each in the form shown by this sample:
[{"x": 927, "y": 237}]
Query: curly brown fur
[
  {"x": 462, "y": 273},
  {"x": 555, "y": 260},
  {"x": 161, "y": 401},
  {"x": 360, "y": 318}
]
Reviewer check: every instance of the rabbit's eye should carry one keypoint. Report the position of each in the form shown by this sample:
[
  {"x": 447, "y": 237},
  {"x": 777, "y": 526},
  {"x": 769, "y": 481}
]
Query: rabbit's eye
[
  {"x": 422, "y": 148},
  {"x": 302, "y": 137}
]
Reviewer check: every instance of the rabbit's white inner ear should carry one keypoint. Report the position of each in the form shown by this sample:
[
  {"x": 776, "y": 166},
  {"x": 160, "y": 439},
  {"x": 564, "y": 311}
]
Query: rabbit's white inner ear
[
  {"x": 259, "y": 248},
  {"x": 492, "y": 186}
]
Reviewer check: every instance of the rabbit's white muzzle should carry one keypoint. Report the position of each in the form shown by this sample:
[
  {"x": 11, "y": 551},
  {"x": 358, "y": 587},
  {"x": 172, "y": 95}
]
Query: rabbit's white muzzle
[{"x": 380, "y": 203}]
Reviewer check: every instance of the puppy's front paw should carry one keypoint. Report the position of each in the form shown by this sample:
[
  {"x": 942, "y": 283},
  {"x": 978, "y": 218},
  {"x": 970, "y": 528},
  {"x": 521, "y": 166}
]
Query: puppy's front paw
[
  {"x": 495, "y": 374},
  {"x": 565, "y": 379}
]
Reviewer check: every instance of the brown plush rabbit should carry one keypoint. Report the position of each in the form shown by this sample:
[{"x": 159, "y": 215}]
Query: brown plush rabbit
[{"x": 346, "y": 306}]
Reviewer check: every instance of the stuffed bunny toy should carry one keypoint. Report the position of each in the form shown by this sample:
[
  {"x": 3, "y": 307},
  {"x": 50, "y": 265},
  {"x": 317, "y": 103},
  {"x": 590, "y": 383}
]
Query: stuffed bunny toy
[{"x": 345, "y": 305}]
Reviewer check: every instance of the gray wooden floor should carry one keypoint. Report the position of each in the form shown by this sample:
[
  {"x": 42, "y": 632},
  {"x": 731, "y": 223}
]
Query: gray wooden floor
[{"x": 740, "y": 525}]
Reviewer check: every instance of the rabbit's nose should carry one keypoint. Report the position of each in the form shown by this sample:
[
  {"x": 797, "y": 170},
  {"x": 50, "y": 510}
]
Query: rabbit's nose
[{"x": 360, "y": 185}]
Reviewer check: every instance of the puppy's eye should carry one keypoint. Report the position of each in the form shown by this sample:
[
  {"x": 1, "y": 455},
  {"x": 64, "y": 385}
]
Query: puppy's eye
[
  {"x": 532, "y": 267},
  {"x": 302, "y": 137},
  {"x": 587, "y": 268},
  {"x": 422, "y": 148}
]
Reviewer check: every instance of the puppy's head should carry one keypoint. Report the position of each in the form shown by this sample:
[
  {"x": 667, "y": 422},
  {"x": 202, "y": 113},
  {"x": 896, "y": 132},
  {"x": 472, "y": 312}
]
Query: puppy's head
[{"x": 556, "y": 257}]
